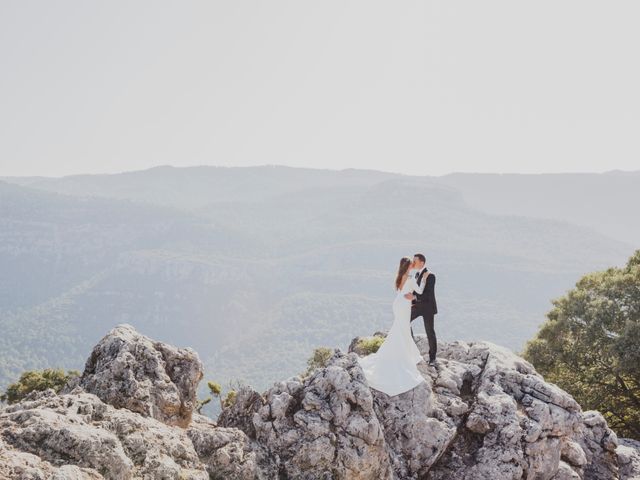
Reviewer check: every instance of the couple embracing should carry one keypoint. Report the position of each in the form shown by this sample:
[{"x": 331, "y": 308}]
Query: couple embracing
[{"x": 392, "y": 369}]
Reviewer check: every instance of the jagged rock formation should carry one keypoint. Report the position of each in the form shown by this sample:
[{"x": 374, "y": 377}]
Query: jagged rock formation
[
  {"x": 129, "y": 370},
  {"x": 629, "y": 458},
  {"x": 484, "y": 413},
  {"x": 127, "y": 427}
]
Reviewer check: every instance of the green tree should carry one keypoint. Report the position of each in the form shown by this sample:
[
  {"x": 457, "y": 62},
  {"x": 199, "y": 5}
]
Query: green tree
[
  {"x": 37, "y": 380},
  {"x": 590, "y": 345}
]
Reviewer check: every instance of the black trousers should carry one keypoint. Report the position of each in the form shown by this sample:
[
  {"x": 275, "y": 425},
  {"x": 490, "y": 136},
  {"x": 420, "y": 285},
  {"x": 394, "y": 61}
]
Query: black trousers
[{"x": 428, "y": 319}]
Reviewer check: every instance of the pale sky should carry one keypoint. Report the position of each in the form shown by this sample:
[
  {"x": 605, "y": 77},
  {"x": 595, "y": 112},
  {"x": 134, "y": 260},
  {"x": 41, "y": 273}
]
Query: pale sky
[{"x": 415, "y": 87}]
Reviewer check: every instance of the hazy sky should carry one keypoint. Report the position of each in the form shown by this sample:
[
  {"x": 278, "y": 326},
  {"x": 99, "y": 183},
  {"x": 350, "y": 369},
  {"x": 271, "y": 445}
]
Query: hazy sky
[{"x": 407, "y": 86}]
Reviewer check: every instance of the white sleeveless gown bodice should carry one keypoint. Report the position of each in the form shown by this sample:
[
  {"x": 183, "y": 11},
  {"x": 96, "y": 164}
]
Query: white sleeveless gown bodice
[{"x": 392, "y": 369}]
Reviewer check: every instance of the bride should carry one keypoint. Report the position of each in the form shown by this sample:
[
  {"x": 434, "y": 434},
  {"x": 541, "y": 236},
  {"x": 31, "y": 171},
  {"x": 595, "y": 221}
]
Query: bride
[{"x": 392, "y": 369}]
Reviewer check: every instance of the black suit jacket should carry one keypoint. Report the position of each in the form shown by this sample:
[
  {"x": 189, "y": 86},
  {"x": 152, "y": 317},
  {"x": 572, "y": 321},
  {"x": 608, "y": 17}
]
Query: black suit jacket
[{"x": 426, "y": 302}]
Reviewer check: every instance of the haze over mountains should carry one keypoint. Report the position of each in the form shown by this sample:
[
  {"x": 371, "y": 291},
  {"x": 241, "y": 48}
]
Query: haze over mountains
[
  {"x": 581, "y": 198},
  {"x": 254, "y": 267},
  {"x": 600, "y": 201}
]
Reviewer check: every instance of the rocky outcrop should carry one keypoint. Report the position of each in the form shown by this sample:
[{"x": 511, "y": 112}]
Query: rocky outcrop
[
  {"x": 628, "y": 452},
  {"x": 482, "y": 413},
  {"x": 323, "y": 427},
  {"x": 130, "y": 416},
  {"x": 79, "y": 429},
  {"x": 228, "y": 453},
  {"x": 23, "y": 465},
  {"x": 128, "y": 370}
]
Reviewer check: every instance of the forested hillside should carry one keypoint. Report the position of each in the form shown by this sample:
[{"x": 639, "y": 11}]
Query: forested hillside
[{"x": 256, "y": 267}]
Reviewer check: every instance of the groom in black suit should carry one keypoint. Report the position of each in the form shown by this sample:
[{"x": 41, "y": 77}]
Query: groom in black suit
[{"x": 424, "y": 304}]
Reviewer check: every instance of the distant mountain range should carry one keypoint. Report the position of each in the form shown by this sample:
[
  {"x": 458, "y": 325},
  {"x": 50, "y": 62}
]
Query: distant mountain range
[
  {"x": 598, "y": 201},
  {"x": 254, "y": 267},
  {"x": 606, "y": 202}
]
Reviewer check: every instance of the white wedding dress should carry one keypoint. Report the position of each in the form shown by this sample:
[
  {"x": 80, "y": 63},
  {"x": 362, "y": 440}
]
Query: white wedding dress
[{"x": 392, "y": 369}]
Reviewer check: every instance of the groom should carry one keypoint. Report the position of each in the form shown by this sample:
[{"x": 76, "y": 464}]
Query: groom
[{"x": 424, "y": 305}]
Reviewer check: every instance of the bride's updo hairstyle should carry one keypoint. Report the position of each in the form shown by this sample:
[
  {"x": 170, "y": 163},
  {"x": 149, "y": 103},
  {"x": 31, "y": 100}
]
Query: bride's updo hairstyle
[{"x": 405, "y": 263}]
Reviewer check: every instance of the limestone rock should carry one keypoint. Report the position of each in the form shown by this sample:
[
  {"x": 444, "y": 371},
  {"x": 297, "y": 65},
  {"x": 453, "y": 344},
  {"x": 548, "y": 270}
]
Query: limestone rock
[
  {"x": 228, "y": 452},
  {"x": 240, "y": 414},
  {"x": 128, "y": 370},
  {"x": 628, "y": 452},
  {"x": 323, "y": 426},
  {"x": 22, "y": 465},
  {"x": 599, "y": 444},
  {"x": 483, "y": 412},
  {"x": 517, "y": 425},
  {"x": 134, "y": 431},
  {"x": 79, "y": 430}
]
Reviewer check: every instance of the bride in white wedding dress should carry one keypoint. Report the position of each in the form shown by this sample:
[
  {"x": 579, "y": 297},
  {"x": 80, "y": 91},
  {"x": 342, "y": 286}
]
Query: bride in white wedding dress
[{"x": 392, "y": 369}]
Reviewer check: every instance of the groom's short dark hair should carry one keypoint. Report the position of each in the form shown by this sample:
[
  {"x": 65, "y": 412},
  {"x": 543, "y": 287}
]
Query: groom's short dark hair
[{"x": 421, "y": 257}]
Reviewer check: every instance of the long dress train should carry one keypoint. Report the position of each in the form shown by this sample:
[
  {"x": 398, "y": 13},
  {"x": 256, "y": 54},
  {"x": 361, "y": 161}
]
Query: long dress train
[{"x": 392, "y": 369}]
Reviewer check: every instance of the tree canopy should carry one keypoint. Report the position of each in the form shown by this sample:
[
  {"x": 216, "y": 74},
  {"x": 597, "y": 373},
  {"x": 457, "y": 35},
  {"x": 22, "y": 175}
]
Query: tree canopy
[{"x": 590, "y": 345}]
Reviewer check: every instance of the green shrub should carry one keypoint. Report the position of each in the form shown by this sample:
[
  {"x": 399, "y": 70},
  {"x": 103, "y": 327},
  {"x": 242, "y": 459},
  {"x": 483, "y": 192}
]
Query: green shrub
[
  {"x": 369, "y": 345},
  {"x": 215, "y": 391},
  {"x": 202, "y": 403},
  {"x": 319, "y": 359},
  {"x": 230, "y": 399},
  {"x": 37, "y": 380},
  {"x": 214, "y": 388}
]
